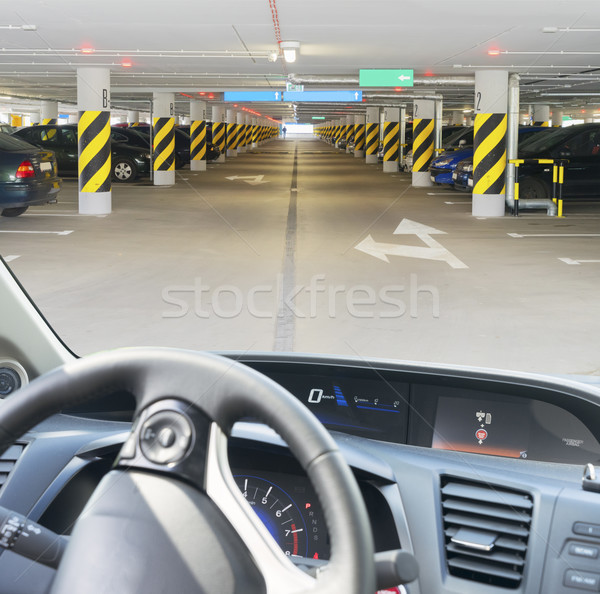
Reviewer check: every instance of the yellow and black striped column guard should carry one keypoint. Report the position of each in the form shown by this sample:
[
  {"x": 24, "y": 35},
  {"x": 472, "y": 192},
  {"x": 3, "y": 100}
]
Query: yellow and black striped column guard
[
  {"x": 49, "y": 121},
  {"x": 391, "y": 141},
  {"x": 543, "y": 123},
  {"x": 423, "y": 140},
  {"x": 489, "y": 158},
  {"x": 218, "y": 135},
  {"x": 359, "y": 137},
  {"x": 93, "y": 131},
  {"x": 198, "y": 142},
  {"x": 164, "y": 144},
  {"x": 372, "y": 139},
  {"x": 231, "y": 135}
]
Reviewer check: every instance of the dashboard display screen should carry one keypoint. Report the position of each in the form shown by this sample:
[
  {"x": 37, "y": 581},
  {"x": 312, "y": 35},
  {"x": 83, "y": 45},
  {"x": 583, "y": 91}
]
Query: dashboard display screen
[
  {"x": 374, "y": 408},
  {"x": 494, "y": 428}
]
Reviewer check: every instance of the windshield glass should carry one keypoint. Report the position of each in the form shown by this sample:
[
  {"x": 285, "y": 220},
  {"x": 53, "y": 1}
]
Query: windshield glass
[
  {"x": 10, "y": 143},
  {"x": 259, "y": 225}
]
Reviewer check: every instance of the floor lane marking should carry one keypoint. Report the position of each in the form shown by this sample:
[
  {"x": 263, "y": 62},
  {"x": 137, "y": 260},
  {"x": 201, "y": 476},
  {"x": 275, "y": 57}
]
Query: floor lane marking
[
  {"x": 38, "y": 232},
  {"x": 10, "y": 258},
  {"x": 572, "y": 262},
  {"x": 519, "y": 235}
]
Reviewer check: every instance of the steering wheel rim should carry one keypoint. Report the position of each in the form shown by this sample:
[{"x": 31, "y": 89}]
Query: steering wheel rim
[{"x": 224, "y": 392}]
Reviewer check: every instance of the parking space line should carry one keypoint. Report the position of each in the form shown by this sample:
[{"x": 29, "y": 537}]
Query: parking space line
[
  {"x": 37, "y": 232},
  {"x": 572, "y": 262},
  {"x": 519, "y": 235},
  {"x": 10, "y": 258}
]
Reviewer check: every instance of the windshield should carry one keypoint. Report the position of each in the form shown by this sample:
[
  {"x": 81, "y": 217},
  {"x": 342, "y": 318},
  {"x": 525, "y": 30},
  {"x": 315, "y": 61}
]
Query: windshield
[
  {"x": 259, "y": 227},
  {"x": 10, "y": 143}
]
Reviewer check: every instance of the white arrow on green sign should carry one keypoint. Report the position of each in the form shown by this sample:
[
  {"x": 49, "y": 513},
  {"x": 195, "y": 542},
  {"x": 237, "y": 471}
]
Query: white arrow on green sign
[{"x": 385, "y": 78}]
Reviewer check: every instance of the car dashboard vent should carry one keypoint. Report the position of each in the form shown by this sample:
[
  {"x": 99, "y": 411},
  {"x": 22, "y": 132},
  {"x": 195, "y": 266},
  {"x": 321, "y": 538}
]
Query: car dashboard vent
[
  {"x": 486, "y": 531},
  {"x": 8, "y": 461}
]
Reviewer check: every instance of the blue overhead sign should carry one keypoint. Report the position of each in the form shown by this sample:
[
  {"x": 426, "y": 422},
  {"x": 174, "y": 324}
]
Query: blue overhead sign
[
  {"x": 323, "y": 96},
  {"x": 246, "y": 96}
]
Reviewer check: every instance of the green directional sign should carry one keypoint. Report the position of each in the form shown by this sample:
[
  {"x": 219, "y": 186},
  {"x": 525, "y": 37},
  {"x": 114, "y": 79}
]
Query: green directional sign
[{"x": 385, "y": 78}]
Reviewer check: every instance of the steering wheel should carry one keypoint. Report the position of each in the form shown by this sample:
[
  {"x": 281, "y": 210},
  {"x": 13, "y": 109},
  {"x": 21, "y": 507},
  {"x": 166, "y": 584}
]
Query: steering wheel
[{"x": 169, "y": 516}]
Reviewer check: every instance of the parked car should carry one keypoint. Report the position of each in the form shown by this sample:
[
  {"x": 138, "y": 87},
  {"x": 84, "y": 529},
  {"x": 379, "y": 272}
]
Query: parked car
[
  {"x": 28, "y": 176},
  {"x": 7, "y": 128},
  {"x": 463, "y": 175},
  {"x": 128, "y": 162},
  {"x": 580, "y": 146},
  {"x": 442, "y": 168},
  {"x": 453, "y": 138},
  {"x": 212, "y": 150}
]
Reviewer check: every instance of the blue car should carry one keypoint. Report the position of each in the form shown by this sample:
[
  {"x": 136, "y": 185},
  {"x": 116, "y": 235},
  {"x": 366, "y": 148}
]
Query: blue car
[{"x": 442, "y": 168}]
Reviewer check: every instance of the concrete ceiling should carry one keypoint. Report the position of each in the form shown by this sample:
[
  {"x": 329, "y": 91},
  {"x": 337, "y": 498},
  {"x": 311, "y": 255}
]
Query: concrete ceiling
[{"x": 192, "y": 46}]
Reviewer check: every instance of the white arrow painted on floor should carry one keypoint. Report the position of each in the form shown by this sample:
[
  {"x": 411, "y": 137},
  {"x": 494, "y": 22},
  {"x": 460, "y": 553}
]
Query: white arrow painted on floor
[
  {"x": 578, "y": 262},
  {"x": 253, "y": 180},
  {"x": 433, "y": 251},
  {"x": 39, "y": 232},
  {"x": 10, "y": 258}
]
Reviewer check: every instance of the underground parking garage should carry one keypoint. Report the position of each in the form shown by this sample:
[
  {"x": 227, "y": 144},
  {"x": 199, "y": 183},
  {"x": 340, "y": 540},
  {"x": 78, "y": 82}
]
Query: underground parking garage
[{"x": 401, "y": 235}]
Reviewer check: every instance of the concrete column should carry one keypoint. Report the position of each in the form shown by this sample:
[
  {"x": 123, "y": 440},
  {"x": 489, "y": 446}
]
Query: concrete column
[
  {"x": 34, "y": 118},
  {"x": 198, "y": 135},
  {"x": 49, "y": 112},
  {"x": 163, "y": 137},
  {"x": 391, "y": 139},
  {"x": 557, "y": 117},
  {"x": 93, "y": 130},
  {"x": 254, "y": 123},
  {"x": 359, "y": 136},
  {"x": 219, "y": 134},
  {"x": 541, "y": 115},
  {"x": 231, "y": 133},
  {"x": 133, "y": 117},
  {"x": 73, "y": 119},
  {"x": 402, "y": 147},
  {"x": 489, "y": 160},
  {"x": 458, "y": 118},
  {"x": 349, "y": 131},
  {"x": 372, "y": 135},
  {"x": 423, "y": 141}
]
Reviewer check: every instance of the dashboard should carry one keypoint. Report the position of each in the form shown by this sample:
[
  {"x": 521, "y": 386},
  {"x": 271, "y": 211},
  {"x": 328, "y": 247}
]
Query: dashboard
[{"x": 443, "y": 457}]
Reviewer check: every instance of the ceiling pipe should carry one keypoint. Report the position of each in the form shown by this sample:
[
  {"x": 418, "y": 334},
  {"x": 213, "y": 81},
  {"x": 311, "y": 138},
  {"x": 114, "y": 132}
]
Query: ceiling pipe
[{"x": 430, "y": 81}]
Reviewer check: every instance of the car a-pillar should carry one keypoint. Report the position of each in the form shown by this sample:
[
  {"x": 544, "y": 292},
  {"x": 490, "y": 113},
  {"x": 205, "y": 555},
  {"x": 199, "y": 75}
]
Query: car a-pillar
[
  {"x": 49, "y": 113},
  {"x": 541, "y": 115},
  {"x": 372, "y": 135},
  {"x": 219, "y": 131},
  {"x": 489, "y": 144},
  {"x": 423, "y": 141},
  {"x": 391, "y": 139},
  {"x": 359, "y": 136},
  {"x": 93, "y": 131},
  {"x": 198, "y": 135},
  {"x": 163, "y": 139}
]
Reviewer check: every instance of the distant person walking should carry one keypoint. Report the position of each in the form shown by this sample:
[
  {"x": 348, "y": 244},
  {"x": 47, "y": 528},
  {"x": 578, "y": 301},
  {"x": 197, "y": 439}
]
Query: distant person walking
[{"x": 284, "y": 130}]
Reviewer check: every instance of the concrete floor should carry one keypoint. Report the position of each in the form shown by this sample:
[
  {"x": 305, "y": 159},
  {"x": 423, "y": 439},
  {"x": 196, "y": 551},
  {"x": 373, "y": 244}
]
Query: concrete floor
[{"x": 203, "y": 264}]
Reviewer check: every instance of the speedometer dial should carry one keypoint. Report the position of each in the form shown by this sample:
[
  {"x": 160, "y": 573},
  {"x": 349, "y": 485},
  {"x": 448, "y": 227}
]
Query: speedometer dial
[{"x": 296, "y": 530}]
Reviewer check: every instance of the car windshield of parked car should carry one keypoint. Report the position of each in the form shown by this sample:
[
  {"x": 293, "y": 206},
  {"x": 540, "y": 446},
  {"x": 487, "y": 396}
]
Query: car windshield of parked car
[{"x": 544, "y": 142}]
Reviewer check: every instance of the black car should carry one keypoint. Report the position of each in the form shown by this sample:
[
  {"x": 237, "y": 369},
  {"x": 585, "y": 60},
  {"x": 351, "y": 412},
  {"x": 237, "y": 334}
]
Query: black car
[
  {"x": 128, "y": 162},
  {"x": 28, "y": 176},
  {"x": 580, "y": 146},
  {"x": 212, "y": 150}
]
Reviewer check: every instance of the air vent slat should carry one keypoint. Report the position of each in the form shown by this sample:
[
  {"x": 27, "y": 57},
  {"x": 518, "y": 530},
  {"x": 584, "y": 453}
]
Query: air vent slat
[
  {"x": 477, "y": 522},
  {"x": 485, "y": 569},
  {"x": 488, "y": 494},
  {"x": 496, "y": 556},
  {"x": 502, "y": 516},
  {"x": 487, "y": 510},
  {"x": 502, "y": 542}
]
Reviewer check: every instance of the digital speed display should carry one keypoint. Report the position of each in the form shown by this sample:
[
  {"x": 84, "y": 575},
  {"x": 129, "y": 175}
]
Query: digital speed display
[{"x": 374, "y": 408}]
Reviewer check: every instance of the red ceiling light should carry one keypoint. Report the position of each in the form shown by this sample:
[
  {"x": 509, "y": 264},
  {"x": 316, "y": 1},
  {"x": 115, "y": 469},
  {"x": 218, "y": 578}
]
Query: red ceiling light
[
  {"x": 202, "y": 93},
  {"x": 428, "y": 73},
  {"x": 211, "y": 96},
  {"x": 186, "y": 95},
  {"x": 126, "y": 64},
  {"x": 87, "y": 50},
  {"x": 398, "y": 89},
  {"x": 493, "y": 52}
]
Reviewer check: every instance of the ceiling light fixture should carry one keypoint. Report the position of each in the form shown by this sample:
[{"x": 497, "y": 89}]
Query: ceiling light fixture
[
  {"x": 289, "y": 49},
  {"x": 272, "y": 57},
  {"x": 494, "y": 52},
  {"x": 570, "y": 30}
]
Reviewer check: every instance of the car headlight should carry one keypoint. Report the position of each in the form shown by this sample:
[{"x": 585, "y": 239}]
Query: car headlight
[
  {"x": 442, "y": 163},
  {"x": 147, "y": 156}
]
